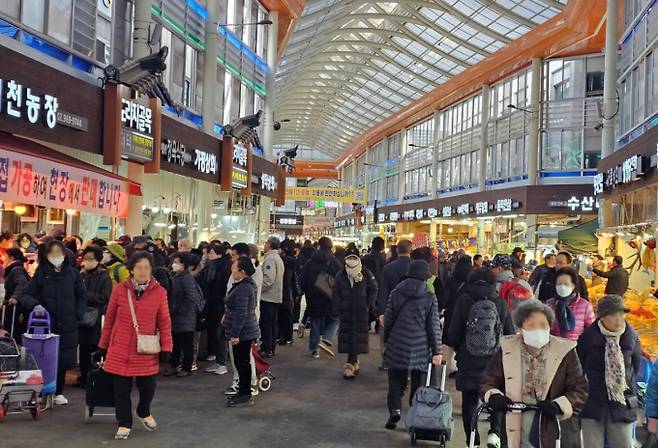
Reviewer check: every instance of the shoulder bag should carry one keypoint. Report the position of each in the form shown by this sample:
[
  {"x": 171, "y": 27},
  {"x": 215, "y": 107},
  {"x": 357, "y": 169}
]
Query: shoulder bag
[
  {"x": 325, "y": 282},
  {"x": 147, "y": 344}
]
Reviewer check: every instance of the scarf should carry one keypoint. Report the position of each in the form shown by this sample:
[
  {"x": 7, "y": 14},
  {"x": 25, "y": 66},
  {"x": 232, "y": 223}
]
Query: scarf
[
  {"x": 139, "y": 288},
  {"x": 563, "y": 312},
  {"x": 615, "y": 368},
  {"x": 534, "y": 361},
  {"x": 353, "y": 270}
]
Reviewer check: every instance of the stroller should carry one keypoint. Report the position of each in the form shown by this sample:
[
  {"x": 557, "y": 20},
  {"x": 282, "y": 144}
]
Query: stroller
[
  {"x": 263, "y": 371},
  {"x": 20, "y": 381}
]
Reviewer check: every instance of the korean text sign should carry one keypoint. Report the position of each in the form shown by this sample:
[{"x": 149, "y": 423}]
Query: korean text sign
[
  {"x": 37, "y": 181},
  {"x": 348, "y": 195}
]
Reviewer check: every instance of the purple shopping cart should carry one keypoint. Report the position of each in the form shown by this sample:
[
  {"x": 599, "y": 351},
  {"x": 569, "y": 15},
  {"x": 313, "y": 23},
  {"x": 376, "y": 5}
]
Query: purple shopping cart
[{"x": 43, "y": 345}]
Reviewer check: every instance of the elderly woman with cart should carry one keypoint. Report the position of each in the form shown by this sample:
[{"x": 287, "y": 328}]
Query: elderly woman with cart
[{"x": 538, "y": 370}]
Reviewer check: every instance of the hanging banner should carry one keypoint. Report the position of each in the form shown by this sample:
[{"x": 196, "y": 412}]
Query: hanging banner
[
  {"x": 39, "y": 181},
  {"x": 306, "y": 194}
]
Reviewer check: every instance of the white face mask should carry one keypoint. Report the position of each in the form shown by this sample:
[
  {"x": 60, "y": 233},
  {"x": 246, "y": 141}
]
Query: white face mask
[
  {"x": 56, "y": 261},
  {"x": 176, "y": 267},
  {"x": 106, "y": 258},
  {"x": 536, "y": 338},
  {"x": 564, "y": 290}
]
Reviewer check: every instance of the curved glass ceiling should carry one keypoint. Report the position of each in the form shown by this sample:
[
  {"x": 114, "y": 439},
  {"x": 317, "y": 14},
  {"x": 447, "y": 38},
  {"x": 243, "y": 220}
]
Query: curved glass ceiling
[{"x": 351, "y": 63}]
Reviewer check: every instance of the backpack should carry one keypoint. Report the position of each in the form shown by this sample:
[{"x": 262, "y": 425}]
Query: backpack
[{"x": 483, "y": 329}]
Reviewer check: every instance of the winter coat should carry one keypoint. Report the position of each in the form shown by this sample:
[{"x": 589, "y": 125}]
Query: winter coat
[
  {"x": 617, "y": 280},
  {"x": 470, "y": 367},
  {"x": 317, "y": 304},
  {"x": 213, "y": 280},
  {"x": 542, "y": 281},
  {"x": 119, "y": 337},
  {"x": 591, "y": 349},
  {"x": 63, "y": 295},
  {"x": 583, "y": 313},
  {"x": 412, "y": 329},
  {"x": 240, "y": 316},
  {"x": 16, "y": 279},
  {"x": 392, "y": 274},
  {"x": 187, "y": 297},
  {"x": 289, "y": 264},
  {"x": 273, "y": 269},
  {"x": 374, "y": 262},
  {"x": 99, "y": 289},
  {"x": 564, "y": 376},
  {"x": 454, "y": 288},
  {"x": 354, "y": 303},
  {"x": 651, "y": 397}
]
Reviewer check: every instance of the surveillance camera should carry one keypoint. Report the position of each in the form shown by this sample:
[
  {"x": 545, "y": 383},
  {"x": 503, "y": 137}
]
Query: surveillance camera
[{"x": 277, "y": 125}]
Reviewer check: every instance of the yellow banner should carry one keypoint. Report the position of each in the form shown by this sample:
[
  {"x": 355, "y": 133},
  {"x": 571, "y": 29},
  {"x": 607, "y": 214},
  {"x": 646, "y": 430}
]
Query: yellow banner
[{"x": 349, "y": 195}]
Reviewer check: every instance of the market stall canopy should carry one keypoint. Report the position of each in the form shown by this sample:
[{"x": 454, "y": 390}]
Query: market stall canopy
[
  {"x": 580, "y": 239},
  {"x": 33, "y": 174}
]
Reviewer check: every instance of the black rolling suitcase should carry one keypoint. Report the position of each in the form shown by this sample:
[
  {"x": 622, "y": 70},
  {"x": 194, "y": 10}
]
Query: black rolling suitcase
[
  {"x": 100, "y": 389},
  {"x": 430, "y": 415}
]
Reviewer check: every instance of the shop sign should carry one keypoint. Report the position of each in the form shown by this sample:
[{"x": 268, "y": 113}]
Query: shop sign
[
  {"x": 481, "y": 208},
  {"x": 394, "y": 216},
  {"x": 239, "y": 176},
  {"x": 288, "y": 220},
  {"x": 21, "y": 102},
  {"x": 420, "y": 213},
  {"x": 345, "y": 195},
  {"x": 136, "y": 130},
  {"x": 446, "y": 212},
  {"x": 628, "y": 171},
  {"x": 175, "y": 152},
  {"x": 381, "y": 217},
  {"x": 409, "y": 214},
  {"x": 577, "y": 204},
  {"x": 268, "y": 182},
  {"x": 72, "y": 121},
  {"x": 318, "y": 222},
  {"x": 464, "y": 209},
  {"x": 504, "y": 205},
  {"x": 38, "y": 181}
]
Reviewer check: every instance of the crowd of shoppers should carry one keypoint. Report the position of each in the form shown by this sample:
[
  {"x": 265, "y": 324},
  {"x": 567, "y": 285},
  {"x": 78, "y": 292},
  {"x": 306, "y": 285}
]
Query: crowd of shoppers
[{"x": 506, "y": 336}]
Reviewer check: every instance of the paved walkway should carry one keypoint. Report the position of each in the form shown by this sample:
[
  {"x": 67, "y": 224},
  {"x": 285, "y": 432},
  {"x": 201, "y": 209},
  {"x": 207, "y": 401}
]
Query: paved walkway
[{"x": 309, "y": 405}]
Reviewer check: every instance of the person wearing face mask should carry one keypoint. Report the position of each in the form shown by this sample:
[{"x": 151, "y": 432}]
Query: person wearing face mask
[
  {"x": 187, "y": 299},
  {"x": 16, "y": 279},
  {"x": 113, "y": 259},
  {"x": 573, "y": 313},
  {"x": 99, "y": 289},
  {"x": 536, "y": 368},
  {"x": 26, "y": 243},
  {"x": 58, "y": 289},
  {"x": 611, "y": 356}
]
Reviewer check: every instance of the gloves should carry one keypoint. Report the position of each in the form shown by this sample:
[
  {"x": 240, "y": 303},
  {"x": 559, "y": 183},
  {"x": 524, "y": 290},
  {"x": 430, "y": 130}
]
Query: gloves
[
  {"x": 499, "y": 402},
  {"x": 549, "y": 408},
  {"x": 39, "y": 311}
]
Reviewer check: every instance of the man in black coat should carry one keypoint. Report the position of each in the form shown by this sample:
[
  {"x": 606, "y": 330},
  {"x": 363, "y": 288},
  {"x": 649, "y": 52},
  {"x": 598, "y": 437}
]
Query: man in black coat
[
  {"x": 305, "y": 254},
  {"x": 542, "y": 278},
  {"x": 617, "y": 277},
  {"x": 320, "y": 307},
  {"x": 376, "y": 259}
]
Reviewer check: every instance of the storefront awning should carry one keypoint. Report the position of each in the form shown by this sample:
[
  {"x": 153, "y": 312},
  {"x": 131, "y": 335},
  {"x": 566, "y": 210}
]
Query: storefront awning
[
  {"x": 34, "y": 174},
  {"x": 580, "y": 239}
]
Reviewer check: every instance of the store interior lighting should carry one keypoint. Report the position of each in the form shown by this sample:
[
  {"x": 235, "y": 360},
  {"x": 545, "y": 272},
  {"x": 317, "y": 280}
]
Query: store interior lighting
[
  {"x": 20, "y": 209},
  {"x": 71, "y": 211}
]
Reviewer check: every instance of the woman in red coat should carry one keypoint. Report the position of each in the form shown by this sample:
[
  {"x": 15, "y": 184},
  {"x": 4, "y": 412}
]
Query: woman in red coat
[{"x": 119, "y": 338}]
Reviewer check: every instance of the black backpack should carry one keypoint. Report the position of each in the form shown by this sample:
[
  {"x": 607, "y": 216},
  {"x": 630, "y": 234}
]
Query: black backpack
[{"x": 483, "y": 328}]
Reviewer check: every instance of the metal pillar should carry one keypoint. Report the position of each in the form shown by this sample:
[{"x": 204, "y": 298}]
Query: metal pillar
[
  {"x": 610, "y": 80},
  {"x": 210, "y": 87},
  {"x": 484, "y": 136},
  {"x": 435, "y": 154},
  {"x": 134, "y": 219},
  {"x": 143, "y": 25},
  {"x": 535, "y": 124},
  {"x": 403, "y": 153},
  {"x": 268, "y": 113}
]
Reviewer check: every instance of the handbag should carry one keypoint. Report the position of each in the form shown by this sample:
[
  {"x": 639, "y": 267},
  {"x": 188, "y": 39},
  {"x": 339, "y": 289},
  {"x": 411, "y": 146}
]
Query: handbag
[
  {"x": 147, "y": 344},
  {"x": 89, "y": 318},
  {"x": 324, "y": 283}
]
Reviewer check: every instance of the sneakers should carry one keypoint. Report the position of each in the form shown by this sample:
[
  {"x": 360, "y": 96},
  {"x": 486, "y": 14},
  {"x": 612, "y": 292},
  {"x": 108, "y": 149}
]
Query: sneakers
[
  {"x": 232, "y": 390},
  {"x": 195, "y": 367},
  {"x": 493, "y": 440},
  {"x": 221, "y": 370},
  {"x": 211, "y": 358},
  {"x": 240, "y": 401},
  {"x": 122, "y": 433},
  {"x": 393, "y": 419},
  {"x": 60, "y": 400},
  {"x": 324, "y": 346},
  {"x": 183, "y": 374},
  {"x": 300, "y": 330},
  {"x": 254, "y": 391},
  {"x": 326, "y": 342},
  {"x": 149, "y": 422},
  {"x": 315, "y": 354},
  {"x": 349, "y": 371}
]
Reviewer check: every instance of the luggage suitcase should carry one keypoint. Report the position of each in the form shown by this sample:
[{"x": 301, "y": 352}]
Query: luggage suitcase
[
  {"x": 430, "y": 415},
  {"x": 100, "y": 389}
]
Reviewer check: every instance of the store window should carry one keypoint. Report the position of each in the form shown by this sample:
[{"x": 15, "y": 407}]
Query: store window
[
  {"x": 10, "y": 8},
  {"x": 562, "y": 150},
  {"x": 235, "y": 99},
  {"x": 188, "y": 80},
  {"x": 394, "y": 146}
]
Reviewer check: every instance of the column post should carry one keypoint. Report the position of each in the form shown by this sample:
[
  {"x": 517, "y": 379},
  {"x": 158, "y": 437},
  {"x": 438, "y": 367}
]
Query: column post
[
  {"x": 268, "y": 113},
  {"x": 535, "y": 122},
  {"x": 484, "y": 136},
  {"x": 403, "y": 153},
  {"x": 210, "y": 70}
]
